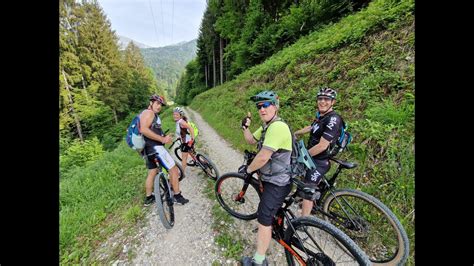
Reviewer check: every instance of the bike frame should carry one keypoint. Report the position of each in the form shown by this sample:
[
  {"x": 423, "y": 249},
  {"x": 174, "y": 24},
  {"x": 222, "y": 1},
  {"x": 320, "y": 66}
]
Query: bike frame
[
  {"x": 329, "y": 188},
  {"x": 282, "y": 215}
]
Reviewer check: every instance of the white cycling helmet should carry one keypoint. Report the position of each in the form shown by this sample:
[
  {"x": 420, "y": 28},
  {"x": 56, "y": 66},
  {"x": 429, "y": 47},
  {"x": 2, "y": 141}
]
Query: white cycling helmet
[{"x": 178, "y": 110}]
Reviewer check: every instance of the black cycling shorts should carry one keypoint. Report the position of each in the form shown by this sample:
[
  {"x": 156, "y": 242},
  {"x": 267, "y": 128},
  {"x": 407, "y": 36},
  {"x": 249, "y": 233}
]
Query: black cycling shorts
[
  {"x": 272, "y": 199},
  {"x": 315, "y": 176},
  {"x": 185, "y": 148}
]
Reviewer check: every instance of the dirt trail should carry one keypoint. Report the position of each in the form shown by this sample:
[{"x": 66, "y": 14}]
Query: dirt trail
[{"x": 191, "y": 240}]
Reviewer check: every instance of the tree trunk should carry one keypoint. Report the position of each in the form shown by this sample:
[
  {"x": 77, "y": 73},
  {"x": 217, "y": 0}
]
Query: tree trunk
[
  {"x": 214, "y": 67},
  {"x": 115, "y": 115},
  {"x": 205, "y": 73},
  {"x": 222, "y": 63},
  {"x": 76, "y": 118}
]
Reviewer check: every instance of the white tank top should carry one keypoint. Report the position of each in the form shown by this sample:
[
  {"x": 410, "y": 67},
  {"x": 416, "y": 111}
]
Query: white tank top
[{"x": 178, "y": 131}]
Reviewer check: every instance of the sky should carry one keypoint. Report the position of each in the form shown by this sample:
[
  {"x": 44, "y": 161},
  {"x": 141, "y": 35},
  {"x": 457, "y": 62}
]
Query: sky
[{"x": 155, "y": 23}]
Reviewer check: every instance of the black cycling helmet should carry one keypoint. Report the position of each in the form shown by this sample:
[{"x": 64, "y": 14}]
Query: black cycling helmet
[
  {"x": 269, "y": 96},
  {"x": 160, "y": 99},
  {"x": 328, "y": 92}
]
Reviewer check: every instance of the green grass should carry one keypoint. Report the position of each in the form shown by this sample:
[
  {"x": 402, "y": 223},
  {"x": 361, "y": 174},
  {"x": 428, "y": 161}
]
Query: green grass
[
  {"x": 228, "y": 237},
  {"x": 109, "y": 186},
  {"x": 100, "y": 198},
  {"x": 369, "y": 58}
]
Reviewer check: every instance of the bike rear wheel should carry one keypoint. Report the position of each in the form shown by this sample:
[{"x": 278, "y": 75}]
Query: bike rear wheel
[
  {"x": 208, "y": 166},
  {"x": 164, "y": 200},
  {"x": 238, "y": 198},
  {"x": 317, "y": 242},
  {"x": 370, "y": 224},
  {"x": 190, "y": 161}
]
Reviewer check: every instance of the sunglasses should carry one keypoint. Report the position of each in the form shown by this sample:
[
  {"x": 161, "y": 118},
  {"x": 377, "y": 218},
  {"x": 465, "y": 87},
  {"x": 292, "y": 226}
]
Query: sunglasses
[
  {"x": 263, "y": 104},
  {"x": 324, "y": 99}
]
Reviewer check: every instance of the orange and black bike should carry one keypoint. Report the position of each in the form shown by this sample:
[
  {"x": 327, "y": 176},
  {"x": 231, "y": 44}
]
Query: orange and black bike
[{"x": 306, "y": 240}]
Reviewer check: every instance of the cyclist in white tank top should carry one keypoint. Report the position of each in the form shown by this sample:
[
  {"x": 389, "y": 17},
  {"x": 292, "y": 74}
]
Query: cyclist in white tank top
[{"x": 185, "y": 132}]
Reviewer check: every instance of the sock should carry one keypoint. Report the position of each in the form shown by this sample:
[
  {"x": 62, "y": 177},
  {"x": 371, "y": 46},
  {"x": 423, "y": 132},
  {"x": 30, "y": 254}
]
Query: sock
[{"x": 258, "y": 258}]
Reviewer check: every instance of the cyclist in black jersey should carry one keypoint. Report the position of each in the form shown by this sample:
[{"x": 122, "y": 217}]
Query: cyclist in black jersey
[
  {"x": 323, "y": 131},
  {"x": 150, "y": 127}
]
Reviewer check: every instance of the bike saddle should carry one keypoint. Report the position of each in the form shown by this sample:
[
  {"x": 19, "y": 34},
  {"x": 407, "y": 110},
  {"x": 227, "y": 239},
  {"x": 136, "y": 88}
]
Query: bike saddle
[{"x": 344, "y": 164}]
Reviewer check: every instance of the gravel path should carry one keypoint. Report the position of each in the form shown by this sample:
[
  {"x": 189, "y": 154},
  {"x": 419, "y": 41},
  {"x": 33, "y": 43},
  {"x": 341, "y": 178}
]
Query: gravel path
[{"x": 191, "y": 240}]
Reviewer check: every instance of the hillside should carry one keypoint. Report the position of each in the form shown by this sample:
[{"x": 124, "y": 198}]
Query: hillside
[
  {"x": 368, "y": 57},
  {"x": 168, "y": 63},
  {"x": 123, "y": 42}
]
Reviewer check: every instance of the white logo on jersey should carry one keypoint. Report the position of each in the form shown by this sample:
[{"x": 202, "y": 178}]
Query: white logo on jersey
[
  {"x": 315, "y": 127},
  {"x": 332, "y": 122}
]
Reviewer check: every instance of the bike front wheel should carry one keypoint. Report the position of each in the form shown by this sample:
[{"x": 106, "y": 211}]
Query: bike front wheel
[
  {"x": 208, "y": 166},
  {"x": 370, "y": 223},
  {"x": 313, "y": 241},
  {"x": 238, "y": 195},
  {"x": 190, "y": 161},
  {"x": 164, "y": 200}
]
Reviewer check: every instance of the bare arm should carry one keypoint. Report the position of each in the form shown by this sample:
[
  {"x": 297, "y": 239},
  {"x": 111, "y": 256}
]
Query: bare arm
[
  {"x": 249, "y": 137},
  {"x": 260, "y": 159},
  {"x": 318, "y": 148},
  {"x": 190, "y": 128},
  {"x": 303, "y": 131},
  {"x": 146, "y": 119}
]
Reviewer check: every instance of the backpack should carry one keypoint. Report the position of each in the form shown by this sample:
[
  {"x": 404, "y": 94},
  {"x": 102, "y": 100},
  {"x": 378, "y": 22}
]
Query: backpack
[
  {"x": 341, "y": 142},
  {"x": 196, "y": 130},
  {"x": 300, "y": 160},
  {"x": 134, "y": 138}
]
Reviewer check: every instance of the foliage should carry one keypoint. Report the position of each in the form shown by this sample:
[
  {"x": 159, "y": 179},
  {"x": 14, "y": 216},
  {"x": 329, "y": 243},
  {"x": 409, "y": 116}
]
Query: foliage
[
  {"x": 99, "y": 86},
  {"x": 168, "y": 63},
  {"x": 109, "y": 188},
  {"x": 248, "y": 32},
  {"x": 80, "y": 154},
  {"x": 368, "y": 57}
]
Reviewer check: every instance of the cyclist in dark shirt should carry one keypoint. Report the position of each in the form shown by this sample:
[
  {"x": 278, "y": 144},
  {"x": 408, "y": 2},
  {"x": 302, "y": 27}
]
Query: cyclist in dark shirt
[
  {"x": 323, "y": 131},
  {"x": 150, "y": 127}
]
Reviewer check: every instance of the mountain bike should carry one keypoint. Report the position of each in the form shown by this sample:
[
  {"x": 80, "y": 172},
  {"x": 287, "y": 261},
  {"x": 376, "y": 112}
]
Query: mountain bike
[
  {"x": 196, "y": 159},
  {"x": 306, "y": 240},
  {"x": 164, "y": 195},
  {"x": 163, "y": 191},
  {"x": 365, "y": 219}
]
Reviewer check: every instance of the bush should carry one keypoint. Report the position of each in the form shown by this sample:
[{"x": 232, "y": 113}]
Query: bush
[{"x": 79, "y": 154}]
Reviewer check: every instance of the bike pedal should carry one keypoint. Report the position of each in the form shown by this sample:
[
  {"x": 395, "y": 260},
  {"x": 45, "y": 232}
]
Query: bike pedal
[{"x": 255, "y": 230}]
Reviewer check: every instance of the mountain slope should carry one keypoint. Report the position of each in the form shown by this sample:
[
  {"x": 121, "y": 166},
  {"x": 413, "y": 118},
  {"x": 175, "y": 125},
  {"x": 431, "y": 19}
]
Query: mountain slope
[
  {"x": 123, "y": 42},
  {"x": 169, "y": 62},
  {"x": 368, "y": 57}
]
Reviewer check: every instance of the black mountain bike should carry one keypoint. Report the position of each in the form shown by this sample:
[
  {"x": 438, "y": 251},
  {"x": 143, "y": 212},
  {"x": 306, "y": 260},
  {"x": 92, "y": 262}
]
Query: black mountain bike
[
  {"x": 197, "y": 159},
  {"x": 306, "y": 240},
  {"x": 164, "y": 194},
  {"x": 364, "y": 218}
]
